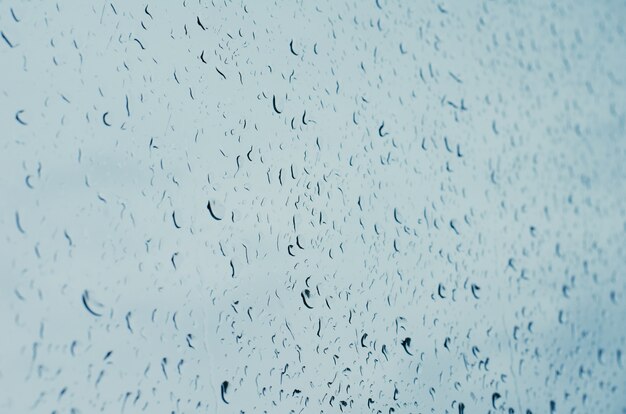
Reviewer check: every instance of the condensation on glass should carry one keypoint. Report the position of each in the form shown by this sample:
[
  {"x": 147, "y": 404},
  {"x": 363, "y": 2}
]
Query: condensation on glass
[{"x": 312, "y": 207}]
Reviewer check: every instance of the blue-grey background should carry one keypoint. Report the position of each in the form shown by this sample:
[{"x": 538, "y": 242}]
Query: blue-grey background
[{"x": 451, "y": 172}]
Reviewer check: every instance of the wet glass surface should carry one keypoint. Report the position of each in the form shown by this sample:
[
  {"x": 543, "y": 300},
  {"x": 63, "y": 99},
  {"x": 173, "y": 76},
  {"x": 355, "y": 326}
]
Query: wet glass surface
[{"x": 312, "y": 207}]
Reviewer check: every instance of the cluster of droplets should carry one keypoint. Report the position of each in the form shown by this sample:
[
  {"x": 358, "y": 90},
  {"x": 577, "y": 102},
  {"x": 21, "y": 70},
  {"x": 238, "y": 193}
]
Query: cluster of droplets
[{"x": 359, "y": 207}]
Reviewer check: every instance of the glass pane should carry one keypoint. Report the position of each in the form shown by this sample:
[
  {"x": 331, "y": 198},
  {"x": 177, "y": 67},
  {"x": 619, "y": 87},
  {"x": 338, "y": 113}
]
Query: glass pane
[{"x": 294, "y": 207}]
